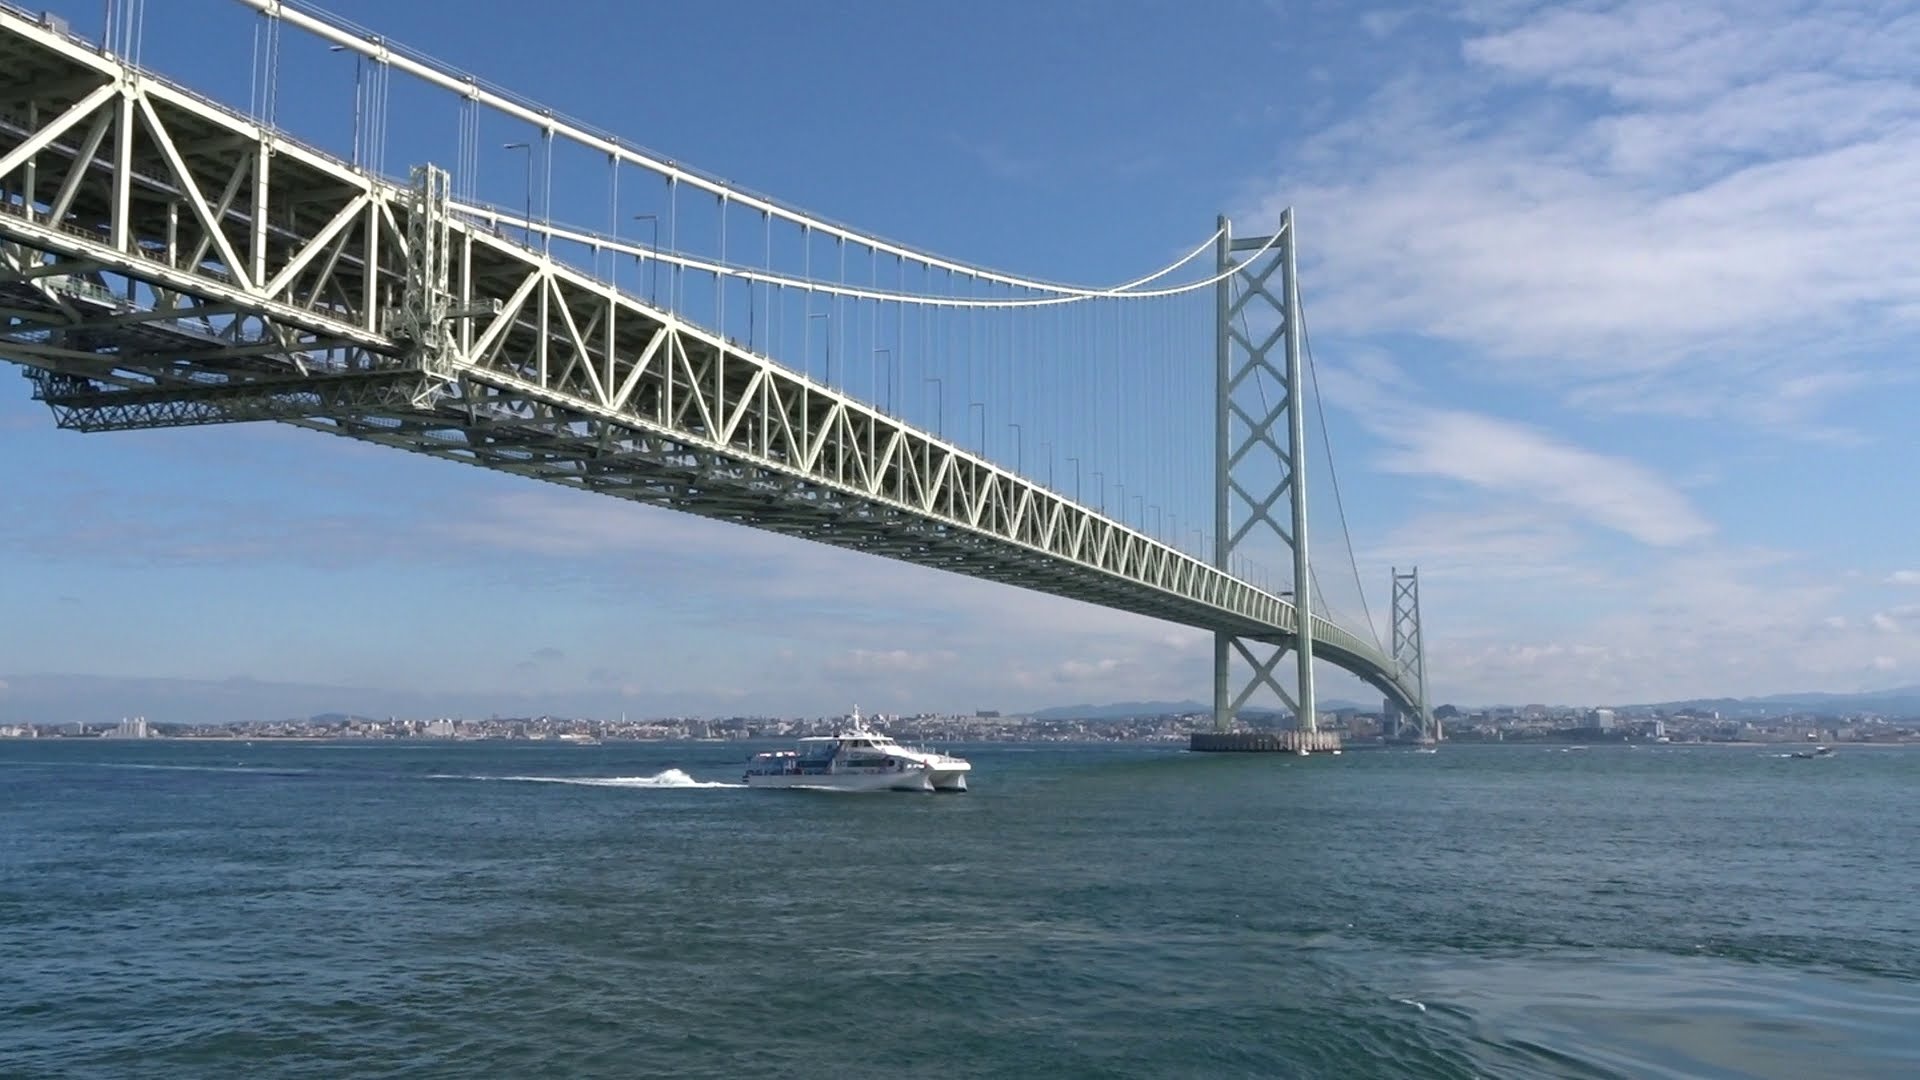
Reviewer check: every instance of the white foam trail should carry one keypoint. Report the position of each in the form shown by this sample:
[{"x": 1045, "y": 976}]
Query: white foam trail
[
  {"x": 1410, "y": 1001},
  {"x": 672, "y": 778},
  {"x": 236, "y": 768}
]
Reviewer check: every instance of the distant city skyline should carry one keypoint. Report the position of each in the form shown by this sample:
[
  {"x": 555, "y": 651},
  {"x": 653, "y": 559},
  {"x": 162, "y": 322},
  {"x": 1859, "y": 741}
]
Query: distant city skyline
[
  {"x": 48, "y": 700},
  {"x": 1607, "y": 305}
]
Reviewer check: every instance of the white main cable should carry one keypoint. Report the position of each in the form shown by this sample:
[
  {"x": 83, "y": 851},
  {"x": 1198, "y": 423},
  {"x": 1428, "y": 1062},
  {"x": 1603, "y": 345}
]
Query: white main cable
[
  {"x": 332, "y": 28},
  {"x": 1127, "y": 291}
]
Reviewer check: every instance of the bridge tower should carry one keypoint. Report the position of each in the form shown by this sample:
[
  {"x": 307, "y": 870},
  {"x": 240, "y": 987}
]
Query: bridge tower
[
  {"x": 1408, "y": 654},
  {"x": 1259, "y": 456}
]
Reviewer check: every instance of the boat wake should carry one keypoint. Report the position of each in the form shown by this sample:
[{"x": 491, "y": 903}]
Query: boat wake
[
  {"x": 259, "y": 770},
  {"x": 672, "y": 778}
]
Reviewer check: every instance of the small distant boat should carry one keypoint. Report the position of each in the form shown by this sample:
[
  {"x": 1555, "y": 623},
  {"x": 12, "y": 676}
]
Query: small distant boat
[
  {"x": 857, "y": 759},
  {"x": 1818, "y": 751}
]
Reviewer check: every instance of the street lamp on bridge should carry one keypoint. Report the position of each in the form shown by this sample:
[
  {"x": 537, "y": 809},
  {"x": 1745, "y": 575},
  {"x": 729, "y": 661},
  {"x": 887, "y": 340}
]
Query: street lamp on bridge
[
  {"x": 358, "y": 60},
  {"x": 653, "y": 264},
  {"x": 827, "y": 315},
  {"x": 527, "y": 230},
  {"x": 1019, "y": 448},
  {"x": 1076, "y": 479},
  {"x": 982, "y": 444},
  {"x": 939, "y": 406},
  {"x": 889, "y": 370}
]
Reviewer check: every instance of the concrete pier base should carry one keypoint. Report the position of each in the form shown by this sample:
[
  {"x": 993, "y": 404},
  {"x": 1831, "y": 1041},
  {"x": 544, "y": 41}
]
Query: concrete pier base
[{"x": 1262, "y": 742}]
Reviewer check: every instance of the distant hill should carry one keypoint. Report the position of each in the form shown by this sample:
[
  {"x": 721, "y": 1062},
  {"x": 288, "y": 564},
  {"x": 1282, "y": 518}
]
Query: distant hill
[
  {"x": 1899, "y": 701},
  {"x": 60, "y": 698},
  {"x": 1127, "y": 710},
  {"x": 337, "y": 718},
  {"x": 1120, "y": 710}
]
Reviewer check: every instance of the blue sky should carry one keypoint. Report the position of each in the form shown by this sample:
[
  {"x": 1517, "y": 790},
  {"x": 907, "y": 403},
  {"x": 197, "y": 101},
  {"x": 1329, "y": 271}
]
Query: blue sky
[{"x": 1614, "y": 307}]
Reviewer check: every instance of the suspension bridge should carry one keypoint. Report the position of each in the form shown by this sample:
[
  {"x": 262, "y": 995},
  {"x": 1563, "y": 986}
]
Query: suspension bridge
[{"x": 167, "y": 259}]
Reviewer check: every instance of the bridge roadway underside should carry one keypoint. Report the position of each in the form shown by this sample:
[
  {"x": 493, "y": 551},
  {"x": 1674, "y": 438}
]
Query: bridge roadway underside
[{"x": 166, "y": 262}]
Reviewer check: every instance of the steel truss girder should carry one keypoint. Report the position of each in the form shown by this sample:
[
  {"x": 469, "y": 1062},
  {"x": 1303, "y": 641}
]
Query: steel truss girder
[
  {"x": 83, "y": 404},
  {"x": 540, "y": 369}
]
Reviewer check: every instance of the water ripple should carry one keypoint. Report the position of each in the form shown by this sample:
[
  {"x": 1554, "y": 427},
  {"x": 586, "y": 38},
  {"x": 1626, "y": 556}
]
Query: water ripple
[{"x": 179, "y": 910}]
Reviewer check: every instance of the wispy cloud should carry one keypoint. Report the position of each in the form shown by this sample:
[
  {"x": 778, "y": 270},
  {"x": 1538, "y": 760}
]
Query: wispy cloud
[
  {"x": 1711, "y": 193},
  {"x": 1596, "y": 213},
  {"x": 998, "y": 161},
  {"x": 889, "y": 661},
  {"x": 1688, "y": 623},
  {"x": 1385, "y": 22},
  {"x": 1510, "y": 459},
  {"x": 540, "y": 658}
]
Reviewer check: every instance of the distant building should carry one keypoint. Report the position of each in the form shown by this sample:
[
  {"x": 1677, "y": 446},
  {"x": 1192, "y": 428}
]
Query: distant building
[
  {"x": 1603, "y": 719},
  {"x": 135, "y": 728}
]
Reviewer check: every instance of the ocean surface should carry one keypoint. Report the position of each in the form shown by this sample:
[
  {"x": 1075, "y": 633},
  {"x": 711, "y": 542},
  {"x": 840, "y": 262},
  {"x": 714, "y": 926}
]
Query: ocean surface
[{"x": 278, "y": 909}]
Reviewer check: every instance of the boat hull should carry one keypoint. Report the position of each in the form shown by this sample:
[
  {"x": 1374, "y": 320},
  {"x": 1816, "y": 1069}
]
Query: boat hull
[
  {"x": 846, "y": 781},
  {"x": 949, "y": 779}
]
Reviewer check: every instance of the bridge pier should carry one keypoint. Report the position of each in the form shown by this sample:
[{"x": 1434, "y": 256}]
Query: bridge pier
[{"x": 1263, "y": 742}]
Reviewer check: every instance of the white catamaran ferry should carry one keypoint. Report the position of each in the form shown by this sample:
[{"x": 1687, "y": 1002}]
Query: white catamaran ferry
[{"x": 857, "y": 760}]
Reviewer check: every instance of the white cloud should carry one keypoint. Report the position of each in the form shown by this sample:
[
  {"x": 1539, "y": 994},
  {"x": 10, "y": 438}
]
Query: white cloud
[
  {"x": 1510, "y": 459},
  {"x": 1693, "y": 210},
  {"x": 1688, "y": 623},
  {"x": 1385, "y": 22},
  {"x": 1650, "y": 207},
  {"x": 889, "y": 661},
  {"x": 1074, "y": 671}
]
